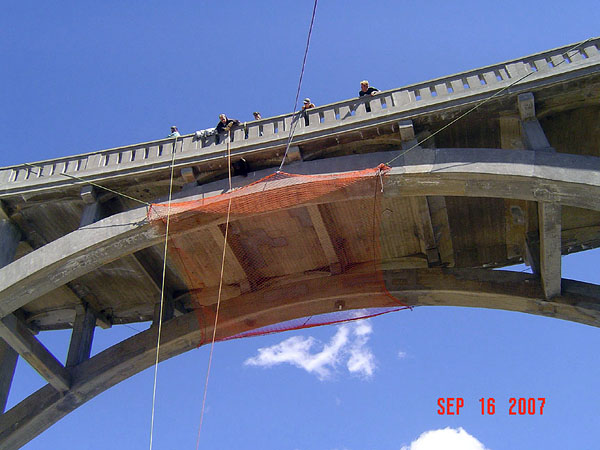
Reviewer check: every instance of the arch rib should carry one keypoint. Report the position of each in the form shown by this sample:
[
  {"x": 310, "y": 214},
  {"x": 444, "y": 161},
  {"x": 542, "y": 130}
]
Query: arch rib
[{"x": 511, "y": 291}]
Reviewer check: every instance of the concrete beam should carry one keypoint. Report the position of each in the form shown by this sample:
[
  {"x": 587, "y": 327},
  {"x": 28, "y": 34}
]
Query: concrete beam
[
  {"x": 424, "y": 229},
  {"x": 549, "y": 215},
  {"x": 9, "y": 240},
  {"x": 231, "y": 259},
  {"x": 82, "y": 335},
  {"x": 16, "y": 334},
  {"x": 532, "y": 132},
  {"x": 168, "y": 310},
  {"x": 151, "y": 269},
  {"x": 320, "y": 228},
  {"x": 8, "y": 361},
  {"x": 187, "y": 173},
  {"x": 407, "y": 134},
  {"x": 441, "y": 229}
]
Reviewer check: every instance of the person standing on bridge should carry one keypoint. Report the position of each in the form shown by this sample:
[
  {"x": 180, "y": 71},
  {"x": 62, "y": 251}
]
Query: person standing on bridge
[
  {"x": 174, "y": 132},
  {"x": 365, "y": 89},
  {"x": 307, "y": 105}
]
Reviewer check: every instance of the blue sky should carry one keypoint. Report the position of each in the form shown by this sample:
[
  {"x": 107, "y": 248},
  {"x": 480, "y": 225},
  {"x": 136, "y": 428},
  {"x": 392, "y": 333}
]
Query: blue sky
[{"x": 81, "y": 76}]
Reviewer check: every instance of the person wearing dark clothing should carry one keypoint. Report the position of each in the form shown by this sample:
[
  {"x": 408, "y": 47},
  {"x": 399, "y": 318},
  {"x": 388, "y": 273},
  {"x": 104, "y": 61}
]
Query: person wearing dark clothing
[
  {"x": 307, "y": 105},
  {"x": 366, "y": 90},
  {"x": 225, "y": 123}
]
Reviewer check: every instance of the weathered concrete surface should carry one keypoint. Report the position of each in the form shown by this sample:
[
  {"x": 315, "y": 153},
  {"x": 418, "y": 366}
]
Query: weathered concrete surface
[
  {"x": 9, "y": 239},
  {"x": 441, "y": 287},
  {"x": 525, "y": 175}
]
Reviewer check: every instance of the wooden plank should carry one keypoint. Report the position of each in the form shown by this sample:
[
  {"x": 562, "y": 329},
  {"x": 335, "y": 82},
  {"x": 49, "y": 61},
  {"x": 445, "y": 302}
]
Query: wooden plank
[
  {"x": 16, "y": 334},
  {"x": 550, "y": 239},
  {"x": 318, "y": 222}
]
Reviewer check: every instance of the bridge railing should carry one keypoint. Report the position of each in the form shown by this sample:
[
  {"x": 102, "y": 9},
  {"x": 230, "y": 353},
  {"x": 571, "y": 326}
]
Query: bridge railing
[{"x": 274, "y": 130}]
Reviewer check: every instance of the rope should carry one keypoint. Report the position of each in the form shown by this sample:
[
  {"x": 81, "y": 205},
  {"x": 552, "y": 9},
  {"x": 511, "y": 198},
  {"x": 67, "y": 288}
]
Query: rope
[
  {"x": 212, "y": 344},
  {"x": 162, "y": 292},
  {"x": 479, "y": 104},
  {"x": 92, "y": 183},
  {"x": 295, "y": 121}
]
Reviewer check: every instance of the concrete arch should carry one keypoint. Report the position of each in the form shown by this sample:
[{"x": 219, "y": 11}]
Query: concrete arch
[
  {"x": 443, "y": 287},
  {"x": 525, "y": 175}
]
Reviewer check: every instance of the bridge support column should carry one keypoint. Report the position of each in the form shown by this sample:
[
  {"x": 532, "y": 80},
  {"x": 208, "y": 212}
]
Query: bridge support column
[
  {"x": 81, "y": 338},
  {"x": 9, "y": 240},
  {"x": 532, "y": 132},
  {"x": 550, "y": 240},
  {"x": 407, "y": 134}
]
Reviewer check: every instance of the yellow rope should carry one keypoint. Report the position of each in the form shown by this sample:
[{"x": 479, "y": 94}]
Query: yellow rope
[
  {"x": 162, "y": 293},
  {"x": 212, "y": 344}
]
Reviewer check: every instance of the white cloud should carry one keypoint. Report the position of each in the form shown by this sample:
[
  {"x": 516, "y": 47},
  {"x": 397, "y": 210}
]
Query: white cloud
[
  {"x": 349, "y": 342},
  {"x": 401, "y": 354},
  {"x": 445, "y": 439}
]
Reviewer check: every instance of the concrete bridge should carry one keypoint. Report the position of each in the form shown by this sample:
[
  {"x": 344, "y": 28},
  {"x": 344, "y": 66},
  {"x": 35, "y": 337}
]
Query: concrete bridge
[{"x": 516, "y": 180}]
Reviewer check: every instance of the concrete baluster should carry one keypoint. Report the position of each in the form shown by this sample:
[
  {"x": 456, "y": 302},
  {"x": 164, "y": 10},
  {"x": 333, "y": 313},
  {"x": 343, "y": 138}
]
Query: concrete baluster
[
  {"x": 441, "y": 90},
  {"x": 329, "y": 116},
  {"x": 474, "y": 82},
  {"x": 457, "y": 85},
  {"x": 344, "y": 112},
  {"x": 490, "y": 78},
  {"x": 591, "y": 51},
  {"x": 558, "y": 59},
  {"x": 268, "y": 129},
  {"x": 253, "y": 130},
  {"x": 239, "y": 134},
  {"x": 360, "y": 107},
  {"x": 313, "y": 118},
  {"x": 518, "y": 69},
  {"x": 425, "y": 93},
  {"x": 376, "y": 103},
  {"x": 402, "y": 98},
  {"x": 541, "y": 65}
]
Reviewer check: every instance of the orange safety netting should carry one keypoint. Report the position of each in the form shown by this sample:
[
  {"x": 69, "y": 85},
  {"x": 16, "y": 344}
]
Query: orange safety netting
[{"x": 301, "y": 251}]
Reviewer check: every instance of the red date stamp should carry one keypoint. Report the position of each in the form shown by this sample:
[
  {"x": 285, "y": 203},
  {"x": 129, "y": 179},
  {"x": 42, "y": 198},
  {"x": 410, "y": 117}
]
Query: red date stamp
[{"x": 517, "y": 406}]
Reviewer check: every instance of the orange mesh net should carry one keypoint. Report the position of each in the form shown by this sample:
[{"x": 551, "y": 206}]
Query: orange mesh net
[{"x": 301, "y": 251}]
